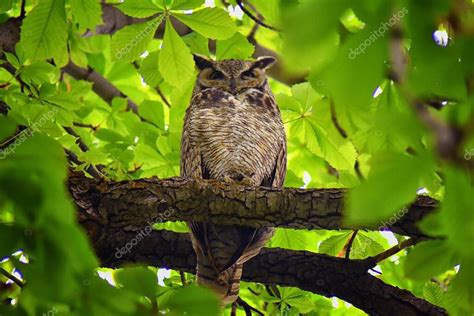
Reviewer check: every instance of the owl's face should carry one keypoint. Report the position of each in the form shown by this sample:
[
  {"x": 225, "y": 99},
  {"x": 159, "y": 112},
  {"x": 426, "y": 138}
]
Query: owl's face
[{"x": 233, "y": 76}]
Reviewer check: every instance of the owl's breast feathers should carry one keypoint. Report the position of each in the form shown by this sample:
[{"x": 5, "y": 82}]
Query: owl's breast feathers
[{"x": 240, "y": 134}]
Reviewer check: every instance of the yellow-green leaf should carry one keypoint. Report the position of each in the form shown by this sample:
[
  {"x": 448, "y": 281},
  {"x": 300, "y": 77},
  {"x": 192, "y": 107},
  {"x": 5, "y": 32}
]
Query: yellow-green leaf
[
  {"x": 176, "y": 62},
  {"x": 44, "y": 30},
  {"x": 214, "y": 23}
]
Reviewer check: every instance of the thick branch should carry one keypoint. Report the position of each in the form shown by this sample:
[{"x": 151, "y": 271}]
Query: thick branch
[
  {"x": 317, "y": 273},
  {"x": 100, "y": 85},
  {"x": 139, "y": 202}
]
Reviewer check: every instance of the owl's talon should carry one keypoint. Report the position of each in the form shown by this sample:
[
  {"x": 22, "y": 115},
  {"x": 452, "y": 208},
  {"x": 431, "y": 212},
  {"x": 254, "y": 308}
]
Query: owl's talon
[
  {"x": 246, "y": 182},
  {"x": 228, "y": 180}
]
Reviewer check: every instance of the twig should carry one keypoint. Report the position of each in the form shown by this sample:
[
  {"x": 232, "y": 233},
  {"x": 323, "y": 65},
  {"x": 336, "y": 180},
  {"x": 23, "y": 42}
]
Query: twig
[
  {"x": 79, "y": 141},
  {"x": 253, "y": 291},
  {"x": 395, "y": 249},
  {"x": 183, "y": 278},
  {"x": 92, "y": 170},
  {"x": 357, "y": 170},
  {"x": 253, "y": 17},
  {"x": 162, "y": 96},
  {"x": 253, "y": 31},
  {"x": 335, "y": 121},
  {"x": 157, "y": 88},
  {"x": 346, "y": 250},
  {"x": 22, "y": 9},
  {"x": 92, "y": 127},
  {"x": 12, "y": 277},
  {"x": 233, "y": 311},
  {"x": 248, "y": 308},
  {"x": 102, "y": 87}
]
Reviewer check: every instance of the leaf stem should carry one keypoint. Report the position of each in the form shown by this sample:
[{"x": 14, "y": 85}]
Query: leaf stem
[{"x": 11, "y": 277}]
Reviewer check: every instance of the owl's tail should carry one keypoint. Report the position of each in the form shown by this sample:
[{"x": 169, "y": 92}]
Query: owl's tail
[
  {"x": 221, "y": 251},
  {"x": 226, "y": 284}
]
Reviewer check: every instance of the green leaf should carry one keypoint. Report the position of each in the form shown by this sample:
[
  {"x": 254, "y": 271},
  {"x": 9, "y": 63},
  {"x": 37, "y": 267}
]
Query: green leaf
[
  {"x": 138, "y": 279},
  {"x": 7, "y": 128},
  {"x": 77, "y": 56},
  {"x": 149, "y": 69},
  {"x": 433, "y": 293},
  {"x": 236, "y": 47},
  {"x": 176, "y": 62},
  {"x": 44, "y": 30},
  {"x": 364, "y": 203},
  {"x": 192, "y": 300},
  {"x": 214, "y": 23},
  {"x": 429, "y": 259},
  {"x": 140, "y": 8},
  {"x": 88, "y": 13},
  {"x": 153, "y": 111},
  {"x": 334, "y": 244},
  {"x": 109, "y": 135},
  {"x": 39, "y": 73},
  {"x": 297, "y": 298},
  {"x": 12, "y": 59},
  {"x": 455, "y": 211},
  {"x": 186, "y": 4},
  {"x": 289, "y": 239},
  {"x": 364, "y": 246},
  {"x": 131, "y": 41},
  {"x": 5, "y": 5},
  {"x": 458, "y": 298},
  {"x": 308, "y": 116},
  {"x": 292, "y": 180},
  {"x": 197, "y": 43}
]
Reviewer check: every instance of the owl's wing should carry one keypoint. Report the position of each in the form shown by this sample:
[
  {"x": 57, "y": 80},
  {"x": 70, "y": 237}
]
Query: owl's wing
[
  {"x": 277, "y": 177},
  {"x": 223, "y": 245},
  {"x": 191, "y": 166},
  {"x": 191, "y": 162}
]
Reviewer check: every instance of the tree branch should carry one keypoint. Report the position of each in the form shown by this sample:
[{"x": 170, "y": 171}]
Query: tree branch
[
  {"x": 100, "y": 85},
  {"x": 317, "y": 273},
  {"x": 395, "y": 249},
  {"x": 118, "y": 218},
  {"x": 254, "y": 18},
  {"x": 11, "y": 277},
  {"x": 140, "y": 202}
]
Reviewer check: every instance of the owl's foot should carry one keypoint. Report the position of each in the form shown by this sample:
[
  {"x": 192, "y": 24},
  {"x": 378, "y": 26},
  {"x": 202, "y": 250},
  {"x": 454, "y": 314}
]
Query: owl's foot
[
  {"x": 247, "y": 181},
  {"x": 228, "y": 180}
]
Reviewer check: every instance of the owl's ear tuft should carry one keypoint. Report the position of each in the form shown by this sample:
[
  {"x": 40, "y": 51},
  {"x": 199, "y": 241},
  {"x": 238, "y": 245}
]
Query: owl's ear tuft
[
  {"x": 264, "y": 62},
  {"x": 202, "y": 63}
]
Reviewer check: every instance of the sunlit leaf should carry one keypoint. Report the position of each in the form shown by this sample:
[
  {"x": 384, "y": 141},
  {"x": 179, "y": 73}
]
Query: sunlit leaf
[
  {"x": 214, "y": 23},
  {"x": 44, "y": 30}
]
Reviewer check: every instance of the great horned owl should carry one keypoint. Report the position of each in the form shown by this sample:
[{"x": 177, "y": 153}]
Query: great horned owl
[{"x": 232, "y": 132}]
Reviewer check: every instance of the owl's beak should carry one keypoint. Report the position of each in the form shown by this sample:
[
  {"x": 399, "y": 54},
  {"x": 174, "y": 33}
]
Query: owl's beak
[{"x": 232, "y": 85}]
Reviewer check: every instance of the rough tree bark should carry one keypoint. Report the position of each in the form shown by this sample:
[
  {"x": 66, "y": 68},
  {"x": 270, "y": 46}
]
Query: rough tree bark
[
  {"x": 142, "y": 201},
  {"x": 117, "y": 216}
]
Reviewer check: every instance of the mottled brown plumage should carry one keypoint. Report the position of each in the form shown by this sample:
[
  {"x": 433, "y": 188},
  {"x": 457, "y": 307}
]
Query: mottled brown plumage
[{"x": 232, "y": 132}]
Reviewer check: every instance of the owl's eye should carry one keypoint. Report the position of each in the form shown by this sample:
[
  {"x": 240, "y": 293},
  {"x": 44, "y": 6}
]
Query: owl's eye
[
  {"x": 249, "y": 74},
  {"x": 216, "y": 75}
]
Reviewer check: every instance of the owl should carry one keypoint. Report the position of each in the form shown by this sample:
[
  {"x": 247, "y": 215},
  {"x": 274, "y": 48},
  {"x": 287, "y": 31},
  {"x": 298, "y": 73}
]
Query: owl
[{"x": 232, "y": 133}]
